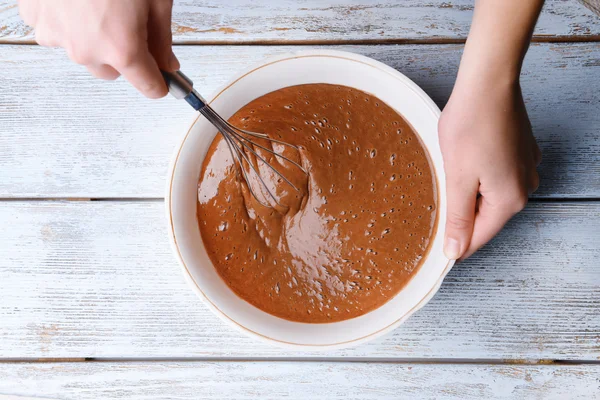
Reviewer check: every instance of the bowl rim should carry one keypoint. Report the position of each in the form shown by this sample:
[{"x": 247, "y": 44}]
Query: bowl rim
[{"x": 169, "y": 188}]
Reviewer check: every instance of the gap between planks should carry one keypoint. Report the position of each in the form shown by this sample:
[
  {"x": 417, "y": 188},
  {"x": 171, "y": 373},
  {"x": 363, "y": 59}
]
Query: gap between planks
[
  {"x": 321, "y": 359},
  {"x": 339, "y": 42}
]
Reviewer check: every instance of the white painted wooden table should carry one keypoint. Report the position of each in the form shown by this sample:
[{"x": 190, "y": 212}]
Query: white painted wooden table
[{"x": 93, "y": 305}]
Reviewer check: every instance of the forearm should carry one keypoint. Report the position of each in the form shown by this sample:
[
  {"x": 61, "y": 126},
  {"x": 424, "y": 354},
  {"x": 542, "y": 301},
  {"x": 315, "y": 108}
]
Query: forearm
[
  {"x": 498, "y": 40},
  {"x": 490, "y": 154}
]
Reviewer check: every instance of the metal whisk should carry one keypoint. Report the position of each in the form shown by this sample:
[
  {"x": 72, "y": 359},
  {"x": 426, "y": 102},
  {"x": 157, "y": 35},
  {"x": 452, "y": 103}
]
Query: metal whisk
[{"x": 238, "y": 140}]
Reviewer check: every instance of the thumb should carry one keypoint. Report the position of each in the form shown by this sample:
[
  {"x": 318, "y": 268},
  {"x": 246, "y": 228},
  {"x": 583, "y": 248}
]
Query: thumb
[{"x": 462, "y": 198}]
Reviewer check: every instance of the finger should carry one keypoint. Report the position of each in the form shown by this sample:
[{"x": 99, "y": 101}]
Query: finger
[
  {"x": 534, "y": 181},
  {"x": 46, "y": 35},
  {"x": 462, "y": 195},
  {"x": 143, "y": 73},
  {"x": 537, "y": 154},
  {"x": 103, "y": 71},
  {"x": 46, "y": 38},
  {"x": 490, "y": 220},
  {"x": 160, "y": 37},
  {"x": 28, "y": 11},
  {"x": 47, "y": 31}
]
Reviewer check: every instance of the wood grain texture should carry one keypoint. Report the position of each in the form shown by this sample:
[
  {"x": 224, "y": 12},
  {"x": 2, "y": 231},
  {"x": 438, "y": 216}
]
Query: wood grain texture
[
  {"x": 97, "y": 279},
  {"x": 64, "y": 134},
  {"x": 593, "y": 5},
  {"x": 269, "y": 380},
  {"x": 331, "y": 20}
]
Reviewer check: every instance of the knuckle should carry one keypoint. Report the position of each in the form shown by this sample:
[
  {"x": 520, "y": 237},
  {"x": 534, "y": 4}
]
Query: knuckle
[
  {"x": 103, "y": 72},
  {"x": 124, "y": 59},
  {"x": 44, "y": 36},
  {"x": 458, "y": 222},
  {"x": 78, "y": 55},
  {"x": 535, "y": 182},
  {"x": 125, "y": 53},
  {"x": 518, "y": 200},
  {"x": 43, "y": 40}
]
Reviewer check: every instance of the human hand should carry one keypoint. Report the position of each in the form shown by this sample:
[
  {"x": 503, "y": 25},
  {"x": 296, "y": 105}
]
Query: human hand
[
  {"x": 110, "y": 37},
  {"x": 490, "y": 158}
]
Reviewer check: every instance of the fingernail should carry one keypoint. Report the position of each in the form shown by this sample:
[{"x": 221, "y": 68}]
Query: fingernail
[
  {"x": 174, "y": 62},
  {"x": 452, "y": 248}
]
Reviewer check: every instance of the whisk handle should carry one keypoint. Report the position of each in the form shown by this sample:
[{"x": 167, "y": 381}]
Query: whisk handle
[{"x": 182, "y": 87}]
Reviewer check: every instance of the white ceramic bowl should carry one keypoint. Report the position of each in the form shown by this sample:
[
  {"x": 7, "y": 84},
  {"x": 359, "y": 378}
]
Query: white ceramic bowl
[{"x": 318, "y": 66}]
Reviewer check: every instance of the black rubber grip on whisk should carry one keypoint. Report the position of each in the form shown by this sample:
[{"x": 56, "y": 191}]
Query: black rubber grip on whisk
[{"x": 182, "y": 87}]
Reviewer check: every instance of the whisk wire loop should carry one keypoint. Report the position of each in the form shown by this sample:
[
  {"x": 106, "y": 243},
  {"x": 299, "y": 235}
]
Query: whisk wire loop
[
  {"x": 229, "y": 129},
  {"x": 181, "y": 87}
]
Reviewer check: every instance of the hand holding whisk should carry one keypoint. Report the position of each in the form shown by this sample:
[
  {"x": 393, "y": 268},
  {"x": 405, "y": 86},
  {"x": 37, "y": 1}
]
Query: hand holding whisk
[{"x": 238, "y": 140}]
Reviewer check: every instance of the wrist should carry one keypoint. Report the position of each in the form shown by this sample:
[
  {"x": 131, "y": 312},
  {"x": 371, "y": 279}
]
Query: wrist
[
  {"x": 476, "y": 87},
  {"x": 488, "y": 71},
  {"x": 498, "y": 40}
]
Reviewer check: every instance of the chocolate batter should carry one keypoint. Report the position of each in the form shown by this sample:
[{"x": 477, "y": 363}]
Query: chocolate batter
[{"x": 357, "y": 230}]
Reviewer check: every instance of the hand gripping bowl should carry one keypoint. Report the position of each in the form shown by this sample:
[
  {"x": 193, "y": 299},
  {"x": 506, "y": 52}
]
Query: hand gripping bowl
[{"x": 332, "y": 67}]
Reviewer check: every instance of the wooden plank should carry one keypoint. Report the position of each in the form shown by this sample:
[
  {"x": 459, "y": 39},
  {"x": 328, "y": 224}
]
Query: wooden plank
[
  {"x": 276, "y": 380},
  {"x": 104, "y": 140},
  {"x": 332, "y": 20},
  {"x": 593, "y": 5},
  {"x": 97, "y": 279}
]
